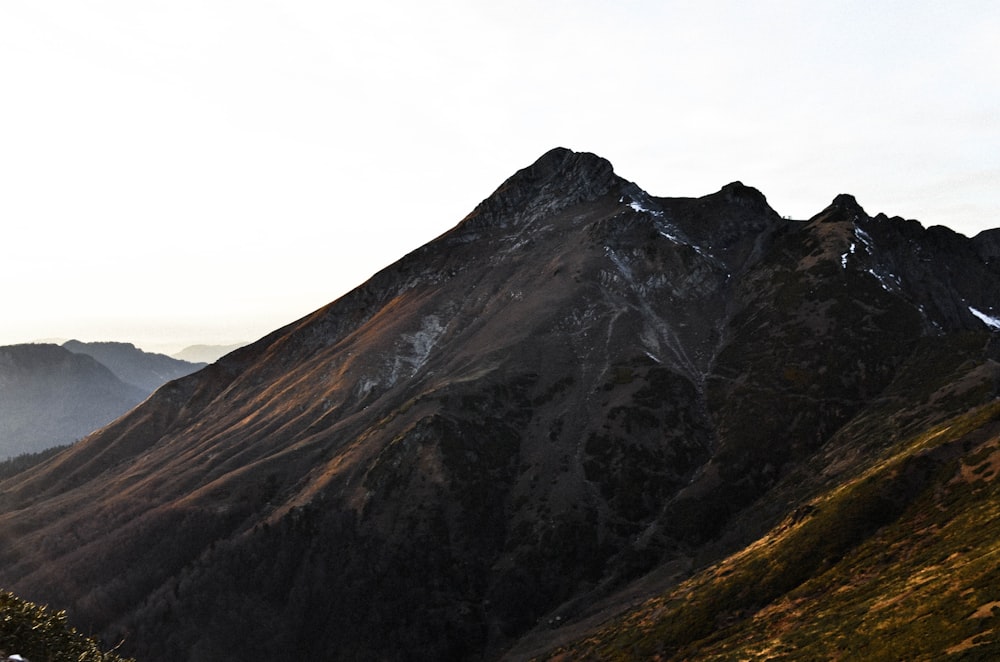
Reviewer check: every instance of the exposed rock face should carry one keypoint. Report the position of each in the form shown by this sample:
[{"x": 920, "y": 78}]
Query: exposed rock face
[{"x": 578, "y": 385}]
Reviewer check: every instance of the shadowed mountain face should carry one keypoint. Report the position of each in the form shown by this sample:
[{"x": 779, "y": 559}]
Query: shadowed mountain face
[{"x": 571, "y": 400}]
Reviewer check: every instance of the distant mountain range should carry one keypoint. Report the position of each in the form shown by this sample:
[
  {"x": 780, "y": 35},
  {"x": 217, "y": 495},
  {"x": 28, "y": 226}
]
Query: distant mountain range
[
  {"x": 586, "y": 423},
  {"x": 132, "y": 365},
  {"x": 205, "y": 353},
  {"x": 52, "y": 395}
]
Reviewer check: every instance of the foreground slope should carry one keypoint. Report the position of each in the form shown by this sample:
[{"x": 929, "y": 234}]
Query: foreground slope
[
  {"x": 893, "y": 560},
  {"x": 573, "y": 399},
  {"x": 34, "y": 632}
]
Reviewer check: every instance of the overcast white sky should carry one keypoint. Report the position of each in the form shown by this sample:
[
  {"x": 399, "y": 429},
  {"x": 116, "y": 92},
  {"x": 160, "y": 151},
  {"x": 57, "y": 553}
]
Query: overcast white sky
[{"x": 174, "y": 172}]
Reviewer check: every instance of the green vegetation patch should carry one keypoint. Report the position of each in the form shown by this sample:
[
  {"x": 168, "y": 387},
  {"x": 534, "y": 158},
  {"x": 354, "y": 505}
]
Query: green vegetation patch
[{"x": 41, "y": 635}]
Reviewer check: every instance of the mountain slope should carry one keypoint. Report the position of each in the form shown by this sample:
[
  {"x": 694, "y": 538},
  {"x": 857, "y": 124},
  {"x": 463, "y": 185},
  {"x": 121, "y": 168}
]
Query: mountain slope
[
  {"x": 50, "y": 396},
  {"x": 897, "y": 562},
  {"x": 567, "y": 402}
]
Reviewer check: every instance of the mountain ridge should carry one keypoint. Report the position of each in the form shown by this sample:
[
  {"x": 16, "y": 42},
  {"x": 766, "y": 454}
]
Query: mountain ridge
[{"x": 578, "y": 388}]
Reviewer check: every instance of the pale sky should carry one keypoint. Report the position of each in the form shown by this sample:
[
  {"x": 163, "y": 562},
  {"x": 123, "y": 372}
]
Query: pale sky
[{"x": 179, "y": 172}]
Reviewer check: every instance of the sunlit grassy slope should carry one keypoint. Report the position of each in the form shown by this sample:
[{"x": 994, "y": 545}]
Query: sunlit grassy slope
[{"x": 901, "y": 562}]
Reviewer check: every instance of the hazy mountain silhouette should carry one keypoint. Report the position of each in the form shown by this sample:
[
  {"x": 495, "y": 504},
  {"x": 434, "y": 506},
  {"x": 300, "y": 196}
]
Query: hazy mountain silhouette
[
  {"x": 206, "y": 353},
  {"x": 146, "y": 370},
  {"x": 587, "y": 418},
  {"x": 50, "y": 396}
]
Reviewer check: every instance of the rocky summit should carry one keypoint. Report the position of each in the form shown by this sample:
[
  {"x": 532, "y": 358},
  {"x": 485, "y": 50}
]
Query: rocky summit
[{"x": 586, "y": 423}]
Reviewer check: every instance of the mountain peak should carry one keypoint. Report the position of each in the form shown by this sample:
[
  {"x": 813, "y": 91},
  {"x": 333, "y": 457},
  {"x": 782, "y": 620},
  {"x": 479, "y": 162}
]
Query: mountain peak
[
  {"x": 562, "y": 160},
  {"x": 847, "y": 203},
  {"x": 746, "y": 196},
  {"x": 843, "y": 208},
  {"x": 560, "y": 178},
  {"x": 580, "y": 397}
]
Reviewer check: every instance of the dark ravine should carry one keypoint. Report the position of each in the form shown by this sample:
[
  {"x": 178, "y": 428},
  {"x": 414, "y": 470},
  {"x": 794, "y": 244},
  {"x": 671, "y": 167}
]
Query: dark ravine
[{"x": 571, "y": 401}]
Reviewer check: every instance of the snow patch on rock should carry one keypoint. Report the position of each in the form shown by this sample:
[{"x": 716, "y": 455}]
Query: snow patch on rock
[
  {"x": 850, "y": 251},
  {"x": 988, "y": 320},
  {"x": 889, "y": 282},
  {"x": 865, "y": 238}
]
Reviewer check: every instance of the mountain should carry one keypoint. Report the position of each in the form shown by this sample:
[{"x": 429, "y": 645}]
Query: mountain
[
  {"x": 586, "y": 421},
  {"x": 146, "y": 370},
  {"x": 50, "y": 396},
  {"x": 206, "y": 353}
]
